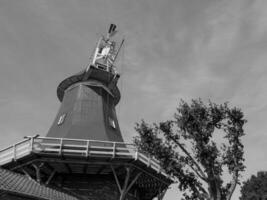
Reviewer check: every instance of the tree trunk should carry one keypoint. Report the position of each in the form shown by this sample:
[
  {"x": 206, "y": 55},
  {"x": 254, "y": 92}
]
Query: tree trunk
[{"x": 214, "y": 191}]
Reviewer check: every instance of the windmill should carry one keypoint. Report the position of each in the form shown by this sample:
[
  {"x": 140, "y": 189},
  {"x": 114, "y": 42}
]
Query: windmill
[{"x": 84, "y": 152}]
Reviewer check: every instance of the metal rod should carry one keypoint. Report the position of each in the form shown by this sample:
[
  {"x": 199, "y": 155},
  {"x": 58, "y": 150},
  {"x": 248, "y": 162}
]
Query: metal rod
[{"x": 119, "y": 50}]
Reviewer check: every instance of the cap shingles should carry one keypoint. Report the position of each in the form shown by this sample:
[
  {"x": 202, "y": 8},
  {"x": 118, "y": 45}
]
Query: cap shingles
[{"x": 16, "y": 183}]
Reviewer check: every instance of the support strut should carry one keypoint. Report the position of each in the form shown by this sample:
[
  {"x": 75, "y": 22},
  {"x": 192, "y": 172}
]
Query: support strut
[
  {"x": 38, "y": 171},
  {"x": 124, "y": 189}
]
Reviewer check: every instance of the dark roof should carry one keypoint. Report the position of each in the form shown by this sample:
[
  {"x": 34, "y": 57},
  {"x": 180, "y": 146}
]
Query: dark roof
[{"x": 11, "y": 182}]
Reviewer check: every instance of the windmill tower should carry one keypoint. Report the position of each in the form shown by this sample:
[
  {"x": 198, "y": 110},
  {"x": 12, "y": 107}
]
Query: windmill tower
[
  {"x": 84, "y": 152},
  {"x": 89, "y": 98}
]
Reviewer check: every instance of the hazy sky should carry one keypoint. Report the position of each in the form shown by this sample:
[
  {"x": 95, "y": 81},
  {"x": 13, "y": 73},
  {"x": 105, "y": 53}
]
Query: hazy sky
[{"x": 213, "y": 49}]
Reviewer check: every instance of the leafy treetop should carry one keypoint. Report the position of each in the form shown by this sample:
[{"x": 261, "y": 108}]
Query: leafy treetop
[
  {"x": 186, "y": 148},
  {"x": 255, "y": 187}
]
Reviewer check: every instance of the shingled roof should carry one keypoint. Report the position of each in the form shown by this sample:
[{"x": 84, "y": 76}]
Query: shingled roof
[{"x": 14, "y": 183}]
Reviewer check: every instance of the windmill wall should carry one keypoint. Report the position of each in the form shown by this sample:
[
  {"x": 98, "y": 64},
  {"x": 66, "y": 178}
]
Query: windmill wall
[{"x": 86, "y": 112}]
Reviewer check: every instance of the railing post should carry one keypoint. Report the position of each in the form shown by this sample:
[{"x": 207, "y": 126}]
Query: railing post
[
  {"x": 31, "y": 143},
  {"x": 60, "y": 147},
  {"x": 136, "y": 154},
  {"x": 87, "y": 148},
  {"x": 159, "y": 168},
  {"x": 114, "y": 150},
  {"x": 14, "y": 152}
]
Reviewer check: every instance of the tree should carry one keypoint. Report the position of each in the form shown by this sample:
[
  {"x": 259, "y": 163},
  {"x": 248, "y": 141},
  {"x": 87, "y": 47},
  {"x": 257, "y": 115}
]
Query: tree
[
  {"x": 255, "y": 188},
  {"x": 188, "y": 151}
]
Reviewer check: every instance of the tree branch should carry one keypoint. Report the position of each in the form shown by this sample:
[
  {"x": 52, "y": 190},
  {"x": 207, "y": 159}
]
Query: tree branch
[
  {"x": 217, "y": 186},
  {"x": 203, "y": 176},
  {"x": 197, "y": 173},
  {"x": 197, "y": 188},
  {"x": 233, "y": 185},
  {"x": 234, "y": 181}
]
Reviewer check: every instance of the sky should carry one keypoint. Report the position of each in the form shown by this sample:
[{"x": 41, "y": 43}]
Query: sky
[{"x": 174, "y": 49}]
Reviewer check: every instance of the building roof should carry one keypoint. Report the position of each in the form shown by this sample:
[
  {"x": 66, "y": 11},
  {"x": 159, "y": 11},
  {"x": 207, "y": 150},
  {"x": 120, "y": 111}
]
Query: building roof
[{"x": 15, "y": 183}]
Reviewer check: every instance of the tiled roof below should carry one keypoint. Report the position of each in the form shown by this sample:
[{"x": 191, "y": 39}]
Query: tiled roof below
[{"x": 16, "y": 183}]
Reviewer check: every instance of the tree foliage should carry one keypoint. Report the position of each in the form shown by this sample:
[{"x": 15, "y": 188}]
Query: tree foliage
[
  {"x": 188, "y": 151},
  {"x": 255, "y": 187}
]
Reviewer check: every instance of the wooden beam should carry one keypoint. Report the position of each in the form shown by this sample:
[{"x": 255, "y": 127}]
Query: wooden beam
[
  {"x": 133, "y": 181},
  {"x": 128, "y": 174},
  {"x": 47, "y": 169},
  {"x": 116, "y": 179},
  {"x": 50, "y": 177},
  {"x": 37, "y": 168},
  {"x": 53, "y": 160},
  {"x": 126, "y": 180},
  {"x": 29, "y": 169},
  {"x": 26, "y": 173},
  {"x": 126, "y": 186},
  {"x": 107, "y": 163},
  {"x": 120, "y": 163}
]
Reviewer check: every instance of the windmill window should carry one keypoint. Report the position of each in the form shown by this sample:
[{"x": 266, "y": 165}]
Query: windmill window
[
  {"x": 112, "y": 123},
  {"x": 61, "y": 119}
]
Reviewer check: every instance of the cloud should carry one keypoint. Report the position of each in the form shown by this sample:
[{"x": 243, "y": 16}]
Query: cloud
[{"x": 174, "y": 49}]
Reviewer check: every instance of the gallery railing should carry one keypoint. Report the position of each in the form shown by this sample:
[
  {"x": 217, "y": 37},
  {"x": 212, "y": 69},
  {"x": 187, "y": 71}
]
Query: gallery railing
[{"x": 75, "y": 148}]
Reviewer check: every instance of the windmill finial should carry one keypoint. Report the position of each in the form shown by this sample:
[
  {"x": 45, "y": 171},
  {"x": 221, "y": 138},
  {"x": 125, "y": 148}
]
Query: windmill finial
[
  {"x": 106, "y": 51},
  {"x": 112, "y": 30}
]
